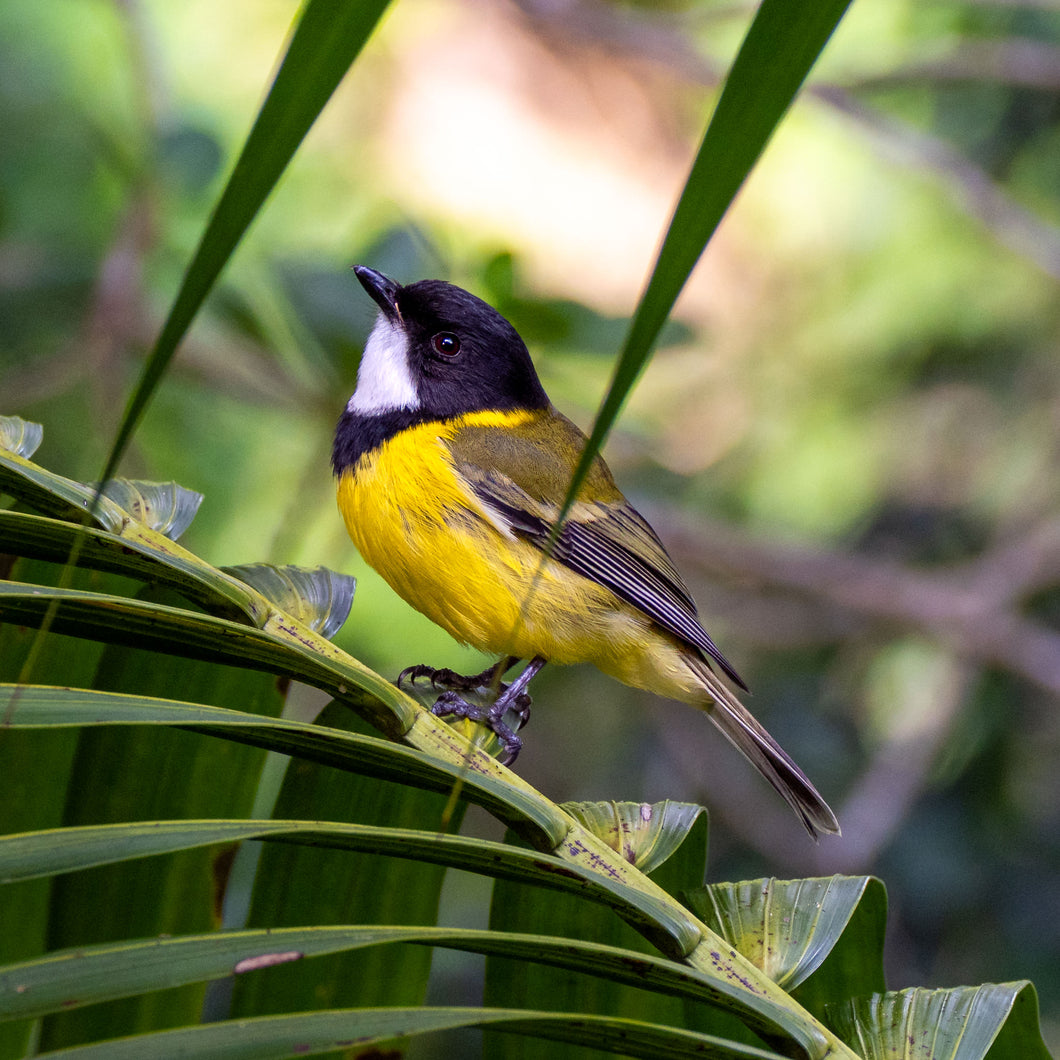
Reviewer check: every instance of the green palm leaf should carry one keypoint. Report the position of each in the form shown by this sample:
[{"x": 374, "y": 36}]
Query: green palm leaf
[
  {"x": 645, "y": 834},
  {"x": 278, "y": 1037},
  {"x": 20, "y": 436},
  {"x": 327, "y": 38},
  {"x": 297, "y": 884},
  {"x": 41, "y": 707},
  {"x": 998, "y": 1020},
  {"x": 35, "y": 854},
  {"x": 789, "y": 927},
  {"x": 776, "y": 56},
  {"x": 86, "y": 975}
]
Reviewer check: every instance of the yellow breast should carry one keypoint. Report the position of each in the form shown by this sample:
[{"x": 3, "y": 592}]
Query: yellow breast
[{"x": 413, "y": 520}]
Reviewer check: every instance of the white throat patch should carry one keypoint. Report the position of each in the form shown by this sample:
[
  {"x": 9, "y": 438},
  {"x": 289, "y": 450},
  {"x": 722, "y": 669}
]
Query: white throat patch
[{"x": 384, "y": 381}]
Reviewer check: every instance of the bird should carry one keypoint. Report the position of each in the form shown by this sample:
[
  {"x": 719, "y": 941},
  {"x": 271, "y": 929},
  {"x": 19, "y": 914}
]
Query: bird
[{"x": 452, "y": 467}]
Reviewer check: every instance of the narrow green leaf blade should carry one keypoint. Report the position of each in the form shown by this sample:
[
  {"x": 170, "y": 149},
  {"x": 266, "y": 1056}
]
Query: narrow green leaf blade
[
  {"x": 780, "y": 48},
  {"x": 134, "y": 556},
  {"x": 279, "y": 1037},
  {"x": 171, "y": 630},
  {"x": 328, "y": 36},
  {"x": 45, "y": 707},
  {"x": 55, "y": 495},
  {"x": 298, "y": 884},
  {"x": 87, "y": 975},
  {"x": 35, "y": 854},
  {"x": 165, "y": 507}
]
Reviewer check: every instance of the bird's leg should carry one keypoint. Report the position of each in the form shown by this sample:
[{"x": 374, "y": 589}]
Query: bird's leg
[
  {"x": 512, "y": 697},
  {"x": 515, "y": 697},
  {"x": 452, "y": 681}
]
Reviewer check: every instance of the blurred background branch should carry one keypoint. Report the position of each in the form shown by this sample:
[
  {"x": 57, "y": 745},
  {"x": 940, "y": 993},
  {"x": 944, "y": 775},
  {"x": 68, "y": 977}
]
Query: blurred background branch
[{"x": 974, "y": 608}]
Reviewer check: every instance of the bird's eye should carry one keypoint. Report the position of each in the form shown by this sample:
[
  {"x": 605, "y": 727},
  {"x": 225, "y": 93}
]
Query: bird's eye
[{"x": 446, "y": 343}]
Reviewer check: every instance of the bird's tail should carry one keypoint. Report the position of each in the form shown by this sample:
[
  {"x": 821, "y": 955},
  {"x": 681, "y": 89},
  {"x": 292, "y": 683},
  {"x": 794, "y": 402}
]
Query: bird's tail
[{"x": 742, "y": 730}]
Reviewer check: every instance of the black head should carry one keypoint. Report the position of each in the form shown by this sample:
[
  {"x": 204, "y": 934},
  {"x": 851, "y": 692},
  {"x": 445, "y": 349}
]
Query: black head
[{"x": 439, "y": 351}]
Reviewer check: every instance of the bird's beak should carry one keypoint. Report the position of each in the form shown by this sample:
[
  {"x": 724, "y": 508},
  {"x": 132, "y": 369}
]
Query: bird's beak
[{"x": 384, "y": 291}]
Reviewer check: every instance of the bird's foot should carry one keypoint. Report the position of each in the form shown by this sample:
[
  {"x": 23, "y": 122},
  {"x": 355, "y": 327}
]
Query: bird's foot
[
  {"x": 449, "y": 680},
  {"x": 502, "y": 699},
  {"x": 452, "y": 704}
]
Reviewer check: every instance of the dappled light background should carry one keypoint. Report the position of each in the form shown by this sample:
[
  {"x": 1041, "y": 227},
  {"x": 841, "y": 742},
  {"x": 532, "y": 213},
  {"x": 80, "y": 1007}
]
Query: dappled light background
[{"x": 848, "y": 437}]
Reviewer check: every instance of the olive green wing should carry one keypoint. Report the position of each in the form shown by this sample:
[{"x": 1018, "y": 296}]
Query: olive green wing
[{"x": 521, "y": 475}]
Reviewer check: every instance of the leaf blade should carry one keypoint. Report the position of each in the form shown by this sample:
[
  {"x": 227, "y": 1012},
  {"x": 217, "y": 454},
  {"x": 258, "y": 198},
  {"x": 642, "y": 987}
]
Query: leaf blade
[
  {"x": 20, "y": 436},
  {"x": 297, "y": 884},
  {"x": 87, "y": 975},
  {"x": 44, "y": 707},
  {"x": 279, "y": 1037},
  {"x": 327, "y": 38},
  {"x": 787, "y": 928},
  {"x": 152, "y": 774},
  {"x": 782, "y": 44},
  {"x": 35, "y": 854},
  {"x": 999, "y": 1020}
]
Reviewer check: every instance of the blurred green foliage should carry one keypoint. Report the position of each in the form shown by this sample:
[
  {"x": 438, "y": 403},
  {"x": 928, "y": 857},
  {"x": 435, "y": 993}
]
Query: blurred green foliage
[{"x": 866, "y": 367}]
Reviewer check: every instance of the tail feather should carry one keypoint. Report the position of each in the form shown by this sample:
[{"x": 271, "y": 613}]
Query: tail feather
[{"x": 745, "y": 733}]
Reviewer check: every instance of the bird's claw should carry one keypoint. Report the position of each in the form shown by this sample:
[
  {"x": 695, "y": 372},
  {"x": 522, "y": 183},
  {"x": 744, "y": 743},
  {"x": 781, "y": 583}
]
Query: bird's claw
[
  {"x": 448, "y": 680},
  {"x": 502, "y": 698},
  {"x": 451, "y": 704}
]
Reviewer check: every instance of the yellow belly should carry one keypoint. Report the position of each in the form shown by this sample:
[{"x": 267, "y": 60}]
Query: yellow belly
[{"x": 413, "y": 522}]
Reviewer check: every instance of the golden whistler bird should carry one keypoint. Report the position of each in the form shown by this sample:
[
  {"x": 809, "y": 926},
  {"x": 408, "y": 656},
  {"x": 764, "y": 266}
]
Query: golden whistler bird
[{"x": 452, "y": 467}]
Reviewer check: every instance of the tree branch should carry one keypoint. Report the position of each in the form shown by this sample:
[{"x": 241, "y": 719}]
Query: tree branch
[{"x": 972, "y": 608}]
